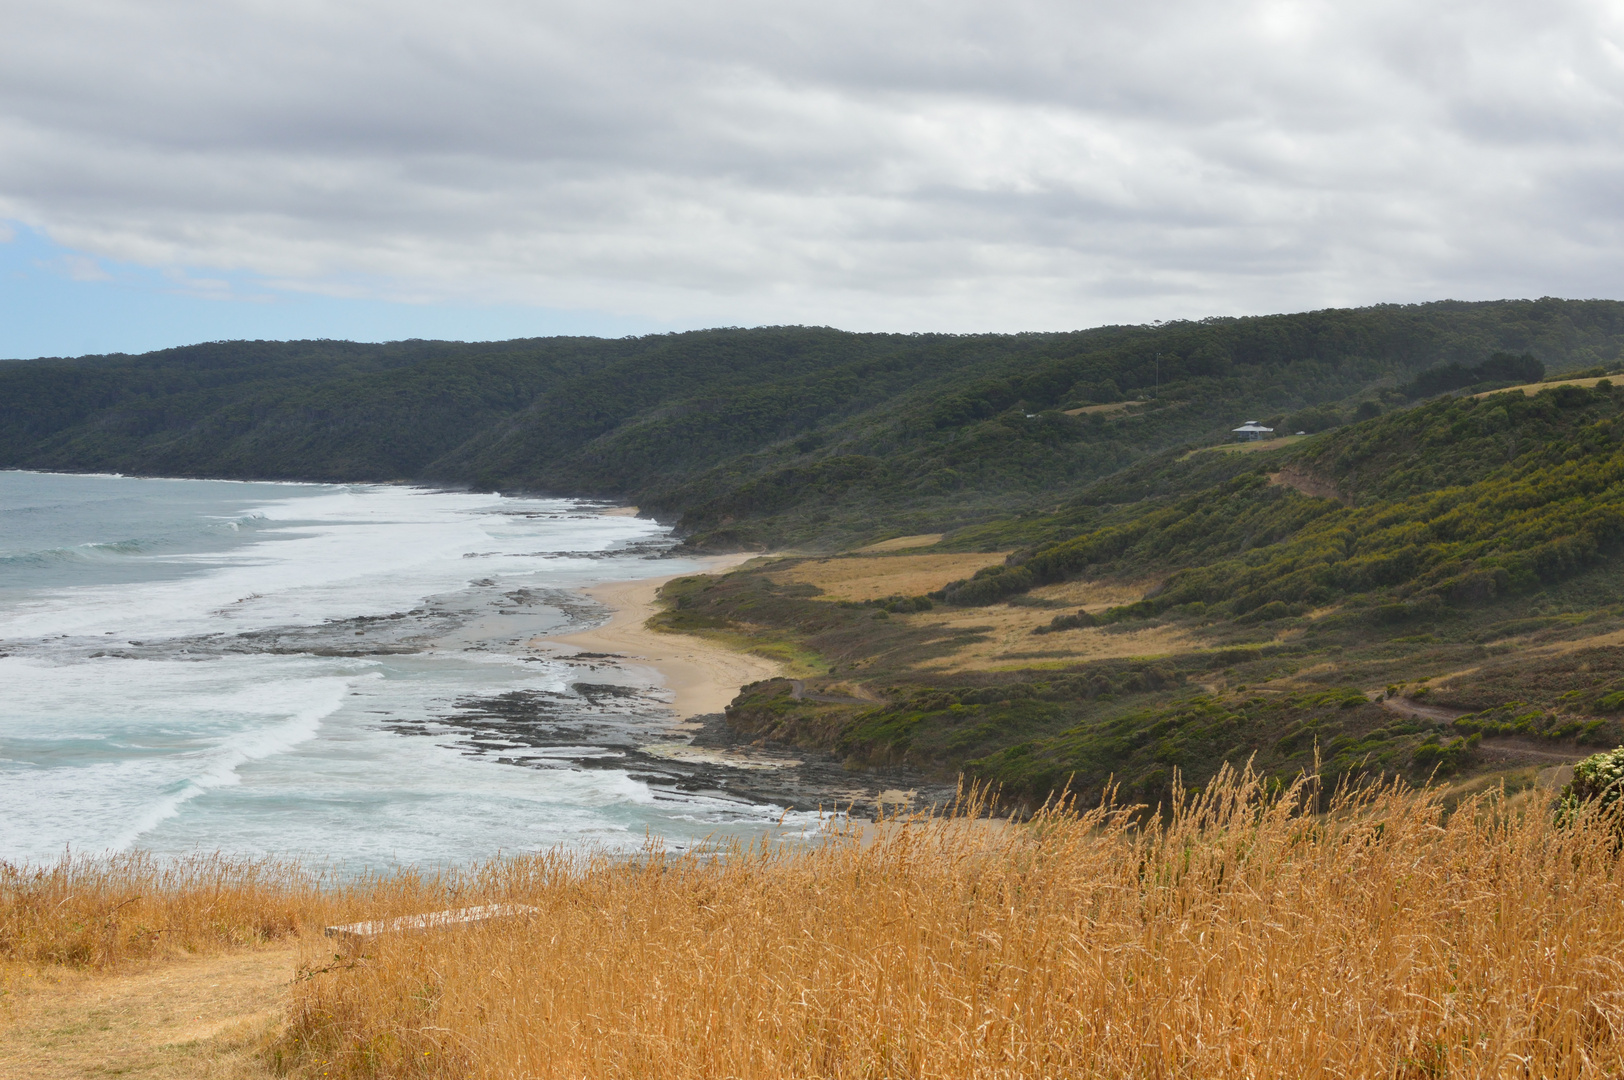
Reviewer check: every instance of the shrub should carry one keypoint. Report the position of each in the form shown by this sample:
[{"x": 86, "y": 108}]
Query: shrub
[
  {"x": 1274, "y": 609},
  {"x": 1068, "y": 622},
  {"x": 1444, "y": 757},
  {"x": 1598, "y": 780},
  {"x": 900, "y": 605}
]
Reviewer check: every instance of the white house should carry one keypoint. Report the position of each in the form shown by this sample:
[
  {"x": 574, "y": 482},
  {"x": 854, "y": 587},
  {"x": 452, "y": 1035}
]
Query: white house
[{"x": 1252, "y": 431}]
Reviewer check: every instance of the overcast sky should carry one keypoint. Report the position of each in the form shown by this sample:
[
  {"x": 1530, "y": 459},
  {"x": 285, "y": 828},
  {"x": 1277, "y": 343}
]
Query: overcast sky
[{"x": 175, "y": 171}]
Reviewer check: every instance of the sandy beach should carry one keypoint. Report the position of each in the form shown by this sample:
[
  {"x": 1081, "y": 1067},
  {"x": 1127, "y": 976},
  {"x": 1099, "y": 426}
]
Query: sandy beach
[{"x": 702, "y": 676}]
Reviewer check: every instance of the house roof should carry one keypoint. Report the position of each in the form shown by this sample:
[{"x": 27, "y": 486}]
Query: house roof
[{"x": 1253, "y": 426}]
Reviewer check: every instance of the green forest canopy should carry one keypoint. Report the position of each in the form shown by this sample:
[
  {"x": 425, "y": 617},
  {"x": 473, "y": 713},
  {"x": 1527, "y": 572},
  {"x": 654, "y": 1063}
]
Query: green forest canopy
[{"x": 776, "y": 435}]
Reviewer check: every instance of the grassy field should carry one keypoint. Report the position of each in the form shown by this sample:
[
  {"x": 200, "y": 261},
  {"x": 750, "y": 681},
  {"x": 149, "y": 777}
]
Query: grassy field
[
  {"x": 1530, "y": 389},
  {"x": 870, "y": 575},
  {"x": 1104, "y": 410},
  {"x": 1386, "y": 937},
  {"x": 1254, "y": 447},
  {"x": 902, "y": 543}
]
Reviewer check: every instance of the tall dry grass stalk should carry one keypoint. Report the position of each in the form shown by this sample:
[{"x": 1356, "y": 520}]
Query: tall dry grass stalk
[
  {"x": 1238, "y": 939},
  {"x": 104, "y": 910}
]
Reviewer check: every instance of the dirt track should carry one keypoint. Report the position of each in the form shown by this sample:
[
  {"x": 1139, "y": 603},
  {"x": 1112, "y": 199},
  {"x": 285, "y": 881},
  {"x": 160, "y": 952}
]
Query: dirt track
[
  {"x": 1508, "y": 749},
  {"x": 191, "y": 1017},
  {"x": 1435, "y": 713}
]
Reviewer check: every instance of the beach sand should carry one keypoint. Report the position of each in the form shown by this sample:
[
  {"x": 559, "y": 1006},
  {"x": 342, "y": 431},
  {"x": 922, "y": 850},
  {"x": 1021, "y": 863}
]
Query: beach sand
[{"x": 702, "y": 676}]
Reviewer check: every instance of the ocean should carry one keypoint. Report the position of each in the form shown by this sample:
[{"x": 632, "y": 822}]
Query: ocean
[{"x": 335, "y": 673}]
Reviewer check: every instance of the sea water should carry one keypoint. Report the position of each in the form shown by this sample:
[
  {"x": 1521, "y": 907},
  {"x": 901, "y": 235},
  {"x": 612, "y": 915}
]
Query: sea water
[{"x": 339, "y": 673}]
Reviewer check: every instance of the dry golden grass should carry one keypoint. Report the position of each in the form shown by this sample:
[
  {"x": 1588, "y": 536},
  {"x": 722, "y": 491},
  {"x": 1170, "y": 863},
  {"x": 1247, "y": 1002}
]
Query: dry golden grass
[
  {"x": 1250, "y": 447},
  {"x": 870, "y": 578},
  {"x": 1007, "y": 638},
  {"x": 902, "y": 543},
  {"x": 103, "y": 912},
  {"x": 182, "y": 1017},
  {"x": 133, "y": 965},
  {"x": 1240, "y": 938},
  {"x": 1530, "y": 389}
]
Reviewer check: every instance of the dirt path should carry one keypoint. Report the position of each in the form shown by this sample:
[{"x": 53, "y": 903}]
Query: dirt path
[
  {"x": 1508, "y": 749},
  {"x": 1436, "y": 713},
  {"x": 1513, "y": 749},
  {"x": 196, "y": 1017}
]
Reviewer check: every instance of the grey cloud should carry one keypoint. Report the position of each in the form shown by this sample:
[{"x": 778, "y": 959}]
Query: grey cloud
[{"x": 948, "y": 165}]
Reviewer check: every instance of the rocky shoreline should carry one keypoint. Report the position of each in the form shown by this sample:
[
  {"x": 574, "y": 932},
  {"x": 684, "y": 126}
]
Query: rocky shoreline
[
  {"x": 809, "y": 778},
  {"x": 619, "y": 726}
]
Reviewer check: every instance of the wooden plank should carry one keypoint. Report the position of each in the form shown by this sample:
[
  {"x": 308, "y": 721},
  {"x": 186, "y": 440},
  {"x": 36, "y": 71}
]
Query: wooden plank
[{"x": 434, "y": 920}]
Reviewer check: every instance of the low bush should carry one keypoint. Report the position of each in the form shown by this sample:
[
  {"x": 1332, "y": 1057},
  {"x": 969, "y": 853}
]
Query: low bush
[
  {"x": 1598, "y": 785},
  {"x": 1068, "y": 622}
]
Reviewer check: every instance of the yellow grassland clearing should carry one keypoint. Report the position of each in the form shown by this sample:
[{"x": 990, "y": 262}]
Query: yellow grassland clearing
[
  {"x": 1004, "y": 632},
  {"x": 860, "y": 577},
  {"x": 1530, "y": 389},
  {"x": 213, "y": 1016},
  {"x": 1249, "y": 447},
  {"x": 1008, "y": 641},
  {"x": 902, "y": 543}
]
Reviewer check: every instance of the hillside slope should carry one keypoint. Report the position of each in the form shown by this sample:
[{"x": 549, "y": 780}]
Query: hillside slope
[
  {"x": 788, "y": 435},
  {"x": 1447, "y": 596}
]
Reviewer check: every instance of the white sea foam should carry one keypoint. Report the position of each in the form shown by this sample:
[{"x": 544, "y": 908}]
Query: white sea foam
[
  {"x": 350, "y": 552},
  {"x": 201, "y": 738},
  {"x": 217, "y": 766},
  {"x": 118, "y": 746}
]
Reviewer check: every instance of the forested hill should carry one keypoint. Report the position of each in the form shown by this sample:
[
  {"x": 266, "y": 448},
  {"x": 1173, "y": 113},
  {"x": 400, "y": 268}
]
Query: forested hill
[{"x": 779, "y": 435}]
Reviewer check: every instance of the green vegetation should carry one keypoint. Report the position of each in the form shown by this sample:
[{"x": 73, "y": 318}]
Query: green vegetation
[
  {"x": 773, "y": 436},
  {"x": 1456, "y": 609},
  {"x": 1458, "y": 502},
  {"x": 1105, "y": 723},
  {"x": 1422, "y": 586},
  {"x": 1598, "y": 780},
  {"x": 1499, "y": 368}
]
